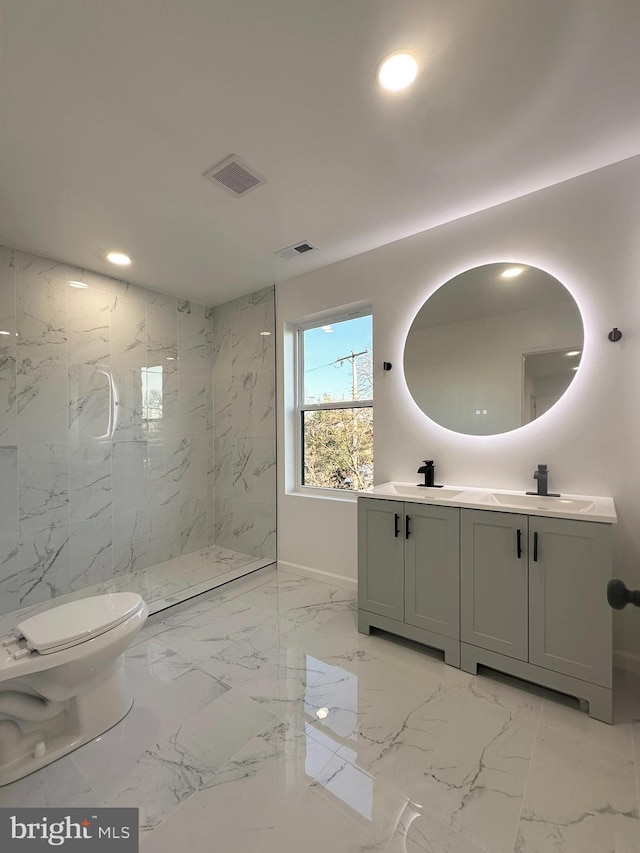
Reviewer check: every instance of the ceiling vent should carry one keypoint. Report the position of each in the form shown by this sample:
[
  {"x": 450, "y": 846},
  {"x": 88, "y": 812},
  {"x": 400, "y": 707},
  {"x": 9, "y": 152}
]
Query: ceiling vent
[
  {"x": 295, "y": 250},
  {"x": 235, "y": 176}
]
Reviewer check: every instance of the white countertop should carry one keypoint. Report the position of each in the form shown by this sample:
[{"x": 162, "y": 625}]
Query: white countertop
[{"x": 580, "y": 507}]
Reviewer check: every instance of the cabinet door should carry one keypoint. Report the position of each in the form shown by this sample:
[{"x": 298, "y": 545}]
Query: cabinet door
[
  {"x": 569, "y": 619},
  {"x": 381, "y": 557},
  {"x": 493, "y": 582},
  {"x": 432, "y": 568}
]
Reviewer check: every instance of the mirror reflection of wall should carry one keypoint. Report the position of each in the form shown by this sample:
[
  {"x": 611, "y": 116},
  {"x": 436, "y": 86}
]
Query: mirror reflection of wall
[
  {"x": 487, "y": 352},
  {"x": 547, "y": 375}
]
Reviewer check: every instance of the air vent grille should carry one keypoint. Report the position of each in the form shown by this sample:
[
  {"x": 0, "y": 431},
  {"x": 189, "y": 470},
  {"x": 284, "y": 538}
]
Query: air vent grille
[
  {"x": 295, "y": 250},
  {"x": 235, "y": 176}
]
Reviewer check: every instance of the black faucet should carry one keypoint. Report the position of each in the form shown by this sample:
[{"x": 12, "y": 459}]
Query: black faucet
[
  {"x": 541, "y": 474},
  {"x": 429, "y": 471}
]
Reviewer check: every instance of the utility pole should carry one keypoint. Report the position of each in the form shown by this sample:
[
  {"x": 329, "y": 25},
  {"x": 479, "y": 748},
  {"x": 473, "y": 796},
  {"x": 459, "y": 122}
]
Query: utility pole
[{"x": 354, "y": 369}]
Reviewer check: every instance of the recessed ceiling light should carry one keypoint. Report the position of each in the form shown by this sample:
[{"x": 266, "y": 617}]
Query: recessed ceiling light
[
  {"x": 327, "y": 330},
  {"x": 119, "y": 259},
  {"x": 512, "y": 272},
  {"x": 573, "y": 352},
  {"x": 77, "y": 284},
  {"x": 264, "y": 334},
  {"x": 322, "y": 713},
  {"x": 5, "y": 333},
  {"x": 397, "y": 71},
  {"x": 576, "y": 367},
  {"x": 171, "y": 358}
]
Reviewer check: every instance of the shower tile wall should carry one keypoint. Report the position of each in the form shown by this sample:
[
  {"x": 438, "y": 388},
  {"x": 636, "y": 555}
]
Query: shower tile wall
[
  {"x": 244, "y": 426},
  {"x": 105, "y": 429}
]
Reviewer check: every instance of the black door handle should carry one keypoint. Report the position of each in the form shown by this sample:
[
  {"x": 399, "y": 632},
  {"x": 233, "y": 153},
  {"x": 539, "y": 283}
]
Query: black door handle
[
  {"x": 619, "y": 596},
  {"x": 397, "y": 526},
  {"x": 535, "y": 547},
  {"x": 407, "y": 532},
  {"x": 519, "y": 544}
]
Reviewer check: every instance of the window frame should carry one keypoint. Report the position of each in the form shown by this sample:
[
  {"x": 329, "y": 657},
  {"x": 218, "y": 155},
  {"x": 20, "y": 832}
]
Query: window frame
[{"x": 301, "y": 407}]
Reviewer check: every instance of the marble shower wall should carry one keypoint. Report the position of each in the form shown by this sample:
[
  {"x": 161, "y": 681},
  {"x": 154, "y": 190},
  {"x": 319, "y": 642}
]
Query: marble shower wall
[
  {"x": 106, "y": 431},
  {"x": 244, "y": 425}
]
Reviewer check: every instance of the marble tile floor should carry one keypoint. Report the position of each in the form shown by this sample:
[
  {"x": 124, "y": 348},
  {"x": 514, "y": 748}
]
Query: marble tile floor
[
  {"x": 264, "y": 722},
  {"x": 163, "y": 585}
]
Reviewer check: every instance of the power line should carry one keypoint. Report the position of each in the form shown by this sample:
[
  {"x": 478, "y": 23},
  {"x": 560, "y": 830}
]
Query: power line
[{"x": 338, "y": 361}]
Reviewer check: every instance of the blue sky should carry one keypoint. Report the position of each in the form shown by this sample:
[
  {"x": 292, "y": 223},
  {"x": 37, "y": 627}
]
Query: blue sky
[{"x": 321, "y": 349}]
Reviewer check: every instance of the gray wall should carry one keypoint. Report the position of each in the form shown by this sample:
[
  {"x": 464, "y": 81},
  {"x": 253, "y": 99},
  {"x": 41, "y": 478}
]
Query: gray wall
[
  {"x": 245, "y": 424},
  {"x": 93, "y": 481}
]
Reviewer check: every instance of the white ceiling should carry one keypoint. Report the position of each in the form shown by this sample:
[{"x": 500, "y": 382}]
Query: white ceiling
[{"x": 112, "y": 110}]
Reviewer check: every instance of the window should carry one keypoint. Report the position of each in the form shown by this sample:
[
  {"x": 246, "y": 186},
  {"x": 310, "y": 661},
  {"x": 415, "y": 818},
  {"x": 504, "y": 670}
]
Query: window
[{"x": 335, "y": 403}]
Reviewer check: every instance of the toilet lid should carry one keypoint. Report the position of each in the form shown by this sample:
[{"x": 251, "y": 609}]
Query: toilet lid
[{"x": 78, "y": 621}]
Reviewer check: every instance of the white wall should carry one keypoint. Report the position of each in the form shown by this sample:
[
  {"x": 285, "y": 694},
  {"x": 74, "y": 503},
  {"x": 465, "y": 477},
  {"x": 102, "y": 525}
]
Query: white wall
[{"x": 585, "y": 233}]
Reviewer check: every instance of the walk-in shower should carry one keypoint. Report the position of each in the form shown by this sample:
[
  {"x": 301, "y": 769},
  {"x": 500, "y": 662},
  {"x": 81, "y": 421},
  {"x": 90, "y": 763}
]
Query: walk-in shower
[{"x": 137, "y": 437}]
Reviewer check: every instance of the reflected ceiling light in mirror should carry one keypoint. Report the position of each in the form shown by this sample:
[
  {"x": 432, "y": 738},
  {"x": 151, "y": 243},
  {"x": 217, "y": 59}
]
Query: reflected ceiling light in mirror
[
  {"x": 397, "y": 71},
  {"x": 327, "y": 330},
  {"x": 119, "y": 259},
  {"x": 512, "y": 272},
  {"x": 573, "y": 352},
  {"x": 576, "y": 367},
  {"x": 265, "y": 334},
  {"x": 77, "y": 284},
  {"x": 473, "y": 335}
]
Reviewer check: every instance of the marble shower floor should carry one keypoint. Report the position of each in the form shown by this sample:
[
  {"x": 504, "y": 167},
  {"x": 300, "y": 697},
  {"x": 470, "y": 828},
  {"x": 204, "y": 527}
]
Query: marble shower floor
[
  {"x": 162, "y": 585},
  {"x": 264, "y": 722}
]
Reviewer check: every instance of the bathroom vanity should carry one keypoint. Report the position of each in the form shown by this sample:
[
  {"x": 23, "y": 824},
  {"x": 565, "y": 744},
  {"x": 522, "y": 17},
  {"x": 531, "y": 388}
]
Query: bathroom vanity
[{"x": 511, "y": 581}]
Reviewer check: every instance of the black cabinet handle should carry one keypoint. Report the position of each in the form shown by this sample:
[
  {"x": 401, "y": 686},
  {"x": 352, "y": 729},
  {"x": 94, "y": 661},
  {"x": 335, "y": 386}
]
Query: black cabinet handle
[
  {"x": 535, "y": 547},
  {"x": 519, "y": 544},
  {"x": 407, "y": 533},
  {"x": 397, "y": 526}
]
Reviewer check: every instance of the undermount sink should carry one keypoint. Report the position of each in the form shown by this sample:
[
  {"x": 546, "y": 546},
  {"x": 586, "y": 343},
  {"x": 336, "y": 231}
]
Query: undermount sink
[
  {"x": 539, "y": 502},
  {"x": 409, "y": 490}
]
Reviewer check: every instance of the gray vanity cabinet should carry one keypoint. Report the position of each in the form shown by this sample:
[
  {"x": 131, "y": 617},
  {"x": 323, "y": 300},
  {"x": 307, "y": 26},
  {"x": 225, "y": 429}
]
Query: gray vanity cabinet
[
  {"x": 381, "y": 557},
  {"x": 431, "y": 574},
  {"x": 521, "y": 594},
  {"x": 494, "y": 580},
  {"x": 408, "y": 572},
  {"x": 538, "y": 611},
  {"x": 569, "y": 617}
]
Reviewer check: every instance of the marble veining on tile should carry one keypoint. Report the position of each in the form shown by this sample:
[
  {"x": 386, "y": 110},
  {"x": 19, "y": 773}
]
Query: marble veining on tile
[
  {"x": 41, "y": 401},
  {"x": 43, "y": 485},
  {"x": 9, "y": 489},
  {"x": 162, "y": 331},
  {"x": 90, "y": 481},
  {"x": 107, "y": 432},
  {"x": 90, "y": 552},
  {"x": 128, "y": 332},
  {"x": 41, "y": 570},
  {"x": 264, "y": 721},
  {"x": 89, "y": 332},
  {"x": 8, "y": 430},
  {"x": 41, "y": 288}
]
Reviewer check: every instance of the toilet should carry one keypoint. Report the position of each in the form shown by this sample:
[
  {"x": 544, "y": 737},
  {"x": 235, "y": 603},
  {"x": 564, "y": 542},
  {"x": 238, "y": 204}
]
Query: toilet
[{"x": 62, "y": 679}]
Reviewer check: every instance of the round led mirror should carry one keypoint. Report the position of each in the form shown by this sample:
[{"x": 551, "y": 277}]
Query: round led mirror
[{"x": 493, "y": 349}]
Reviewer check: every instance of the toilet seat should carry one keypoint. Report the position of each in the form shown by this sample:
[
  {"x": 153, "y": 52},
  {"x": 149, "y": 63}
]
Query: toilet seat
[{"x": 70, "y": 624}]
